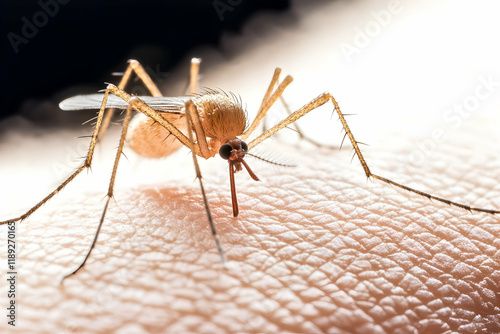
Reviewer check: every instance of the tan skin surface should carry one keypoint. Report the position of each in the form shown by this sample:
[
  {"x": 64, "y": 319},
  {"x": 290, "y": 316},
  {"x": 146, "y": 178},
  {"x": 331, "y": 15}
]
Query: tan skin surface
[{"x": 316, "y": 248}]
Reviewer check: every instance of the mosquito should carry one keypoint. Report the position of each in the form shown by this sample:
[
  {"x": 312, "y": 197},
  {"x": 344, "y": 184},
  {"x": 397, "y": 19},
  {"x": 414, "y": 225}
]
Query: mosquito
[{"x": 208, "y": 123}]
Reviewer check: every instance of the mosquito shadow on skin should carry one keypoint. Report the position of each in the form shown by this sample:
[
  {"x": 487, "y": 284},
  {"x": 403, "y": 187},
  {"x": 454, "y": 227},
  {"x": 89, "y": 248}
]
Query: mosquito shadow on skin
[
  {"x": 185, "y": 208},
  {"x": 180, "y": 203}
]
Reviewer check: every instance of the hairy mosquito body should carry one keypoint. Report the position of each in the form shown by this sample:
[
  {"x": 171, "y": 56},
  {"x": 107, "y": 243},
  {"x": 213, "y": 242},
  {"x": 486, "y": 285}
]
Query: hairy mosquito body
[
  {"x": 208, "y": 123},
  {"x": 222, "y": 118}
]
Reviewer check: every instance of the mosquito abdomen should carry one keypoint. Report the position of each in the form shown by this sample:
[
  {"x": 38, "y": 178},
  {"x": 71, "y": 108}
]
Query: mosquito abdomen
[{"x": 150, "y": 139}]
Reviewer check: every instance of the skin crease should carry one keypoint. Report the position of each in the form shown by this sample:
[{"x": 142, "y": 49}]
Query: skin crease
[{"x": 316, "y": 247}]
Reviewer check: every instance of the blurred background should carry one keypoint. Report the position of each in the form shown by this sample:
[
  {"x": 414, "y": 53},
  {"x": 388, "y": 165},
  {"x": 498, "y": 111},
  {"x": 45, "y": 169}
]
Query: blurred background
[
  {"x": 376, "y": 52},
  {"x": 49, "y": 46}
]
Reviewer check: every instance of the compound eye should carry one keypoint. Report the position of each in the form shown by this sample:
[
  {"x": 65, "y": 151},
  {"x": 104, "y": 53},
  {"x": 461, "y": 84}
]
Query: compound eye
[
  {"x": 225, "y": 151},
  {"x": 244, "y": 147}
]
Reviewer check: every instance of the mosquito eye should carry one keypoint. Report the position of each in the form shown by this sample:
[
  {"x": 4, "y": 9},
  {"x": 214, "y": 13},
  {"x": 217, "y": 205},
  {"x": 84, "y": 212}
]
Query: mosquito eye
[
  {"x": 244, "y": 147},
  {"x": 225, "y": 151}
]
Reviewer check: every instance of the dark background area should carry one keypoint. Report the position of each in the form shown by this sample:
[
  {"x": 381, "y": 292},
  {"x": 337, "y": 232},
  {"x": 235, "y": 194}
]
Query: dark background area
[{"x": 50, "y": 45}]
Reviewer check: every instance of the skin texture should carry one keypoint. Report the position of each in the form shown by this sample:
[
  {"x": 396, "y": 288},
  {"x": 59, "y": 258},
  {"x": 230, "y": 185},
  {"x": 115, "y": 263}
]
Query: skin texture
[{"x": 316, "y": 247}]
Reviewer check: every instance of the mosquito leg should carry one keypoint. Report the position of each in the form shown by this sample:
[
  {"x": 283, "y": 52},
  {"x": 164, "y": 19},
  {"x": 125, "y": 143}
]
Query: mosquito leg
[
  {"x": 194, "y": 124},
  {"x": 138, "y": 105},
  {"x": 289, "y": 120},
  {"x": 269, "y": 91},
  {"x": 274, "y": 80},
  {"x": 190, "y": 111},
  {"x": 132, "y": 102},
  {"x": 268, "y": 103},
  {"x": 324, "y": 98},
  {"x": 193, "y": 77},
  {"x": 138, "y": 69},
  {"x": 134, "y": 65},
  {"x": 153, "y": 114},
  {"x": 302, "y": 136},
  {"x": 195, "y": 121},
  {"x": 86, "y": 164}
]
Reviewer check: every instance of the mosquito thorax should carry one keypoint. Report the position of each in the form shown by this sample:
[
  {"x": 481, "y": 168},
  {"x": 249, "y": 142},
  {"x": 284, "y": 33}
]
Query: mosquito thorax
[{"x": 221, "y": 114}]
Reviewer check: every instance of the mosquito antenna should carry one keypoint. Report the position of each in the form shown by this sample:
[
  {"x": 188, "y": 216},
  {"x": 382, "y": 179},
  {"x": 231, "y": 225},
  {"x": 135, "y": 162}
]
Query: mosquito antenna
[{"x": 269, "y": 161}]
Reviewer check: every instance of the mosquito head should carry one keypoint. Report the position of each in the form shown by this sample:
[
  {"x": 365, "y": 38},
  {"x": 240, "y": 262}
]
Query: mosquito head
[{"x": 234, "y": 150}]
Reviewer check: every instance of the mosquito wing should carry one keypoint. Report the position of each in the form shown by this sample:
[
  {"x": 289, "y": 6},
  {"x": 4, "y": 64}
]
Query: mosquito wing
[{"x": 94, "y": 101}]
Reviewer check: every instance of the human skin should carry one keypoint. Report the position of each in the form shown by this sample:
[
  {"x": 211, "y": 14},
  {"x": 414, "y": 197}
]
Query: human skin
[{"x": 316, "y": 247}]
